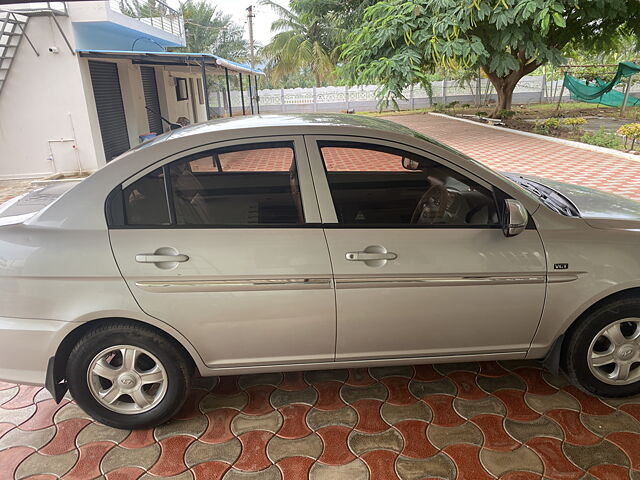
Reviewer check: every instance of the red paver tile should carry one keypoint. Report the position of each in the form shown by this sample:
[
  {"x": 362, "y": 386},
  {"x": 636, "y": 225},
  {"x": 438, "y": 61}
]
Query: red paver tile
[
  {"x": 590, "y": 405},
  {"x": 443, "y": 413},
  {"x": 492, "y": 369},
  {"x": 293, "y": 382},
  {"x": 7, "y": 385},
  {"x": 295, "y": 468},
  {"x": 171, "y": 461},
  {"x": 254, "y": 451},
  {"x": 574, "y": 431},
  {"x": 495, "y": 436},
  {"x": 139, "y": 439},
  {"x": 520, "y": 476},
  {"x": 88, "y": 464},
  {"x": 399, "y": 393},
  {"x": 294, "y": 423},
  {"x": 556, "y": 465},
  {"x": 24, "y": 397},
  {"x": 517, "y": 409},
  {"x": 369, "y": 418},
  {"x": 328, "y": 396},
  {"x": 609, "y": 472},
  {"x": 535, "y": 383},
  {"x": 65, "y": 438},
  {"x": 258, "y": 403},
  {"x": 467, "y": 387},
  {"x": 381, "y": 464},
  {"x": 632, "y": 409},
  {"x": 467, "y": 461},
  {"x": 227, "y": 386},
  {"x": 210, "y": 470},
  {"x": 43, "y": 416},
  {"x": 426, "y": 373},
  {"x": 125, "y": 473},
  {"x": 335, "y": 450},
  {"x": 10, "y": 459},
  {"x": 219, "y": 429},
  {"x": 416, "y": 442},
  {"x": 360, "y": 377},
  {"x": 5, "y": 427},
  {"x": 629, "y": 443}
]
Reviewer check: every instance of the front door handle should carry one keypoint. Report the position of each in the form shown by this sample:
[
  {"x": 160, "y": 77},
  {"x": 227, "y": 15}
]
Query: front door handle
[
  {"x": 372, "y": 256},
  {"x": 153, "y": 258},
  {"x": 364, "y": 256},
  {"x": 165, "y": 258}
]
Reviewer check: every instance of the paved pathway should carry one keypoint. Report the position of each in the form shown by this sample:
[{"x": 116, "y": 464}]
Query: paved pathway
[
  {"x": 511, "y": 420},
  {"x": 510, "y": 152}
]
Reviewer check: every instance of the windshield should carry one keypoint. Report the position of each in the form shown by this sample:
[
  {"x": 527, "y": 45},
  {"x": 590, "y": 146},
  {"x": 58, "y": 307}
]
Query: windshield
[{"x": 550, "y": 197}]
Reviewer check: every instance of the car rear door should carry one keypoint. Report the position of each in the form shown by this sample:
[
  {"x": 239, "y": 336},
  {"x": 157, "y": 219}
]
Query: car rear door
[
  {"x": 412, "y": 279},
  {"x": 224, "y": 243}
]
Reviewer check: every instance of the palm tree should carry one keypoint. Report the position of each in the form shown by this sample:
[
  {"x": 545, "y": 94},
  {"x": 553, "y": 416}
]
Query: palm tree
[{"x": 303, "y": 41}]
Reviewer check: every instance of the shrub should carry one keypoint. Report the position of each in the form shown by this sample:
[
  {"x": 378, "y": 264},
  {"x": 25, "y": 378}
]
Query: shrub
[
  {"x": 453, "y": 104},
  {"x": 630, "y": 131},
  {"x": 481, "y": 113},
  {"x": 465, "y": 105},
  {"x": 506, "y": 113},
  {"x": 547, "y": 126},
  {"x": 602, "y": 138},
  {"x": 439, "y": 107},
  {"x": 574, "y": 122}
]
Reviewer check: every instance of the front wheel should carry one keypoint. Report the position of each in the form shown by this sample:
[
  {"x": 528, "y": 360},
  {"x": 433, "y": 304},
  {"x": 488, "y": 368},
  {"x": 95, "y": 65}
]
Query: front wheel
[
  {"x": 127, "y": 376},
  {"x": 602, "y": 353}
]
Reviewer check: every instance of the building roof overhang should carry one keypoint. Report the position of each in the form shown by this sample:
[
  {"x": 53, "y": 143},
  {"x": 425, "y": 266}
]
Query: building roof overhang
[{"x": 209, "y": 60}]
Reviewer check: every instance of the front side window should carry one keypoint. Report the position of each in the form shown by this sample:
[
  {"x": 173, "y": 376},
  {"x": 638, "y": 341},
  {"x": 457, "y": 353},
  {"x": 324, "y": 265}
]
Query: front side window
[
  {"x": 377, "y": 185},
  {"x": 235, "y": 186}
]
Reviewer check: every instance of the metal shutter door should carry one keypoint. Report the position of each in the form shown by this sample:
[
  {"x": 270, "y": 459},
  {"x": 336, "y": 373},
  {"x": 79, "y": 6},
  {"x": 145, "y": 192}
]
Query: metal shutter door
[
  {"x": 108, "y": 97},
  {"x": 151, "y": 99}
]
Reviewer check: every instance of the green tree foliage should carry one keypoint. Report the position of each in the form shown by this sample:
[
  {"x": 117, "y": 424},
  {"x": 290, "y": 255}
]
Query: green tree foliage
[
  {"x": 303, "y": 41},
  {"x": 399, "y": 42},
  {"x": 210, "y": 30}
]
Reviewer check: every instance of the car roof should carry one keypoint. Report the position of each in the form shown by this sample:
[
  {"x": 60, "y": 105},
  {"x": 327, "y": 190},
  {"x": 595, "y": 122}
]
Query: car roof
[{"x": 310, "y": 120}]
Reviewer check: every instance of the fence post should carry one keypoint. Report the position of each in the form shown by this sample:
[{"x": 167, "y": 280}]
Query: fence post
[
  {"x": 412, "y": 103},
  {"x": 543, "y": 87},
  {"x": 282, "y": 99},
  {"x": 478, "y": 89},
  {"x": 315, "y": 100},
  {"x": 346, "y": 97},
  {"x": 626, "y": 97},
  {"x": 444, "y": 91}
]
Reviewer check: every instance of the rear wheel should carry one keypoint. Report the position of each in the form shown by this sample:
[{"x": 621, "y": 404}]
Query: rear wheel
[
  {"x": 602, "y": 353},
  {"x": 127, "y": 376}
]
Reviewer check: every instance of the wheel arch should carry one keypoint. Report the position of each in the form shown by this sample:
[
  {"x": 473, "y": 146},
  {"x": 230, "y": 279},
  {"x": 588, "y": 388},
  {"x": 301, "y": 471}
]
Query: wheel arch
[
  {"x": 554, "y": 358},
  {"x": 56, "y": 370}
]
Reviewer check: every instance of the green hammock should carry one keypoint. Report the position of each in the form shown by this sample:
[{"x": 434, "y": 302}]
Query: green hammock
[{"x": 603, "y": 93}]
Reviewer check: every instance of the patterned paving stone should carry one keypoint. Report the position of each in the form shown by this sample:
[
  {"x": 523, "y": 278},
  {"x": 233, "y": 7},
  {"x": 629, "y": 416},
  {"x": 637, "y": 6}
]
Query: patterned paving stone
[
  {"x": 361, "y": 443},
  {"x": 442, "y": 437},
  {"x": 541, "y": 427},
  {"x": 587, "y": 456},
  {"x": 96, "y": 432},
  {"x": 281, "y": 397},
  {"x": 56, "y": 465},
  {"x": 499, "y": 463},
  {"x": 393, "y": 414},
  {"x": 438, "y": 466},
  {"x": 200, "y": 452},
  {"x": 280, "y": 448},
  {"x": 345, "y": 416},
  {"x": 485, "y": 405},
  {"x": 242, "y": 423},
  {"x": 119, "y": 457},
  {"x": 355, "y": 470}
]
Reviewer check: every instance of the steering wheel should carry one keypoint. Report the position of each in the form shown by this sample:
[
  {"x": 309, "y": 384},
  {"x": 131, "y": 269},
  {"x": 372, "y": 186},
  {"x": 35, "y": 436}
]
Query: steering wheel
[{"x": 432, "y": 206}]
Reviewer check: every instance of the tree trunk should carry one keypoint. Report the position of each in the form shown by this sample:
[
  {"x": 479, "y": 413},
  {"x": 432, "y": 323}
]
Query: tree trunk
[
  {"x": 506, "y": 85},
  {"x": 317, "y": 78}
]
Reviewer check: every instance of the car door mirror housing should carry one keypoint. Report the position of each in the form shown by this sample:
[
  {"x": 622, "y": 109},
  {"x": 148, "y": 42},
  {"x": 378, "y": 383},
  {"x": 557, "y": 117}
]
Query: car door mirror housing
[{"x": 515, "y": 218}]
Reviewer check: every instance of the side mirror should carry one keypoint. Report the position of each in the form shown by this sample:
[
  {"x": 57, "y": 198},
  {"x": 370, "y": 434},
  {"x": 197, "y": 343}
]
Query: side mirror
[{"x": 515, "y": 218}]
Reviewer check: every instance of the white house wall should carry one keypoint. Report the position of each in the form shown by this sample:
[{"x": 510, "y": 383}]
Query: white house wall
[{"x": 42, "y": 102}]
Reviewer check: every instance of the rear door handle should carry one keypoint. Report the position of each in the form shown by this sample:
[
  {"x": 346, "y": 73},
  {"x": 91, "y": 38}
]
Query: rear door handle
[
  {"x": 153, "y": 258},
  {"x": 364, "y": 256}
]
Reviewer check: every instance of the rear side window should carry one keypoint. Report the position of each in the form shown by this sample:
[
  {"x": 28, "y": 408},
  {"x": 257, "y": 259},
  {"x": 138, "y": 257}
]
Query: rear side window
[{"x": 249, "y": 185}]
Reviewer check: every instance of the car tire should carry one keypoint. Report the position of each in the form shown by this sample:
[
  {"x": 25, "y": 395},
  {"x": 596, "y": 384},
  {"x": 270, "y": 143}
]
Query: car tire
[
  {"x": 128, "y": 376},
  {"x": 603, "y": 346}
]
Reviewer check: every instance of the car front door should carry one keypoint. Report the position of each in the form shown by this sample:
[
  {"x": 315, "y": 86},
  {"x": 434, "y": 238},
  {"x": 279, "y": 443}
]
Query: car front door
[
  {"x": 421, "y": 265},
  {"x": 224, "y": 243}
]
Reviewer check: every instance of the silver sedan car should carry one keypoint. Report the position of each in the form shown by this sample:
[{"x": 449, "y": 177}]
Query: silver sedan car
[{"x": 300, "y": 242}]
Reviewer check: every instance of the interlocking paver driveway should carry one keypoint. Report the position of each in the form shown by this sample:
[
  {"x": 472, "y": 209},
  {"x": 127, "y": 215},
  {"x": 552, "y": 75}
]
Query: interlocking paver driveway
[
  {"x": 509, "y": 420},
  {"x": 503, "y": 150}
]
